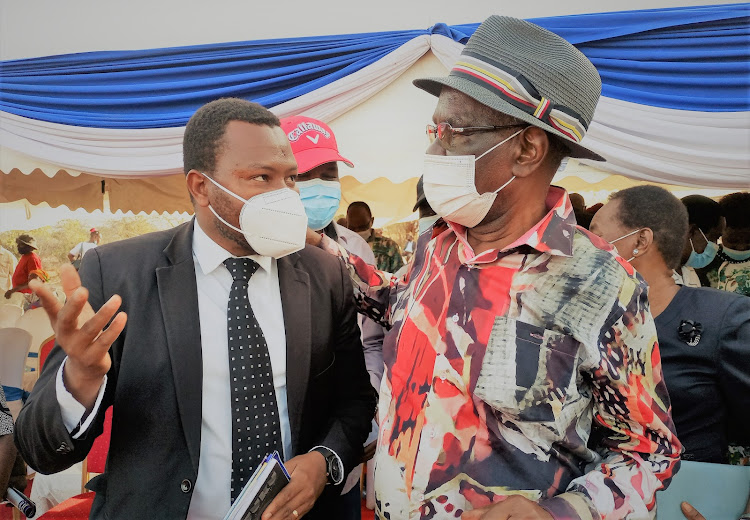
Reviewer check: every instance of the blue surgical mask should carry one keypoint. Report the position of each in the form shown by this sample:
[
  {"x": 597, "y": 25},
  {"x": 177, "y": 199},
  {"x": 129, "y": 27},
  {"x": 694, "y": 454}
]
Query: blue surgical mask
[
  {"x": 700, "y": 260},
  {"x": 321, "y": 200},
  {"x": 426, "y": 223},
  {"x": 736, "y": 255}
]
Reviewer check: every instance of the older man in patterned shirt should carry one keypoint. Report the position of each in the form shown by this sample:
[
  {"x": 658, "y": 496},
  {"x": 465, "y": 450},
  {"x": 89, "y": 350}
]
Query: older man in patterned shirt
[{"x": 523, "y": 376}]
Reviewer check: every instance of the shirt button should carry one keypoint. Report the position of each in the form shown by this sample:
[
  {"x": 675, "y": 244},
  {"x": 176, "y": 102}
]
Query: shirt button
[
  {"x": 186, "y": 486},
  {"x": 455, "y": 318}
]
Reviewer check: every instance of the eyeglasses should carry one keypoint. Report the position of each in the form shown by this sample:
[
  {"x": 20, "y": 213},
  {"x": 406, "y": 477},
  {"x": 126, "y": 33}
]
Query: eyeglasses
[{"x": 445, "y": 132}]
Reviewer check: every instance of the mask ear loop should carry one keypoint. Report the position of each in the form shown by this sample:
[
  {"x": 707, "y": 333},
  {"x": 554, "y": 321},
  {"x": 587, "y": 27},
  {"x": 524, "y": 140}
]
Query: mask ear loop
[
  {"x": 625, "y": 236},
  {"x": 504, "y": 185},
  {"x": 224, "y": 221},
  {"x": 488, "y": 151},
  {"x": 228, "y": 192},
  {"x": 704, "y": 237},
  {"x": 500, "y": 143}
]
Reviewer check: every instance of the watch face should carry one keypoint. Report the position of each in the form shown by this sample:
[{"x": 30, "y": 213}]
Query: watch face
[{"x": 333, "y": 469}]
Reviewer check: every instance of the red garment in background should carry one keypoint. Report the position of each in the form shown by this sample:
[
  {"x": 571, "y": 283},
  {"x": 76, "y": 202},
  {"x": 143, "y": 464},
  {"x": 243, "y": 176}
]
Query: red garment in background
[{"x": 26, "y": 264}]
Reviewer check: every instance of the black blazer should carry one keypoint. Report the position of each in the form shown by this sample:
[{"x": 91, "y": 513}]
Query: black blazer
[{"x": 155, "y": 380}]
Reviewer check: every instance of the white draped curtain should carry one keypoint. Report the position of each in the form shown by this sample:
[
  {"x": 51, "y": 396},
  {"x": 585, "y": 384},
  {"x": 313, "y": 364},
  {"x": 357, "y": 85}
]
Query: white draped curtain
[{"x": 690, "y": 148}]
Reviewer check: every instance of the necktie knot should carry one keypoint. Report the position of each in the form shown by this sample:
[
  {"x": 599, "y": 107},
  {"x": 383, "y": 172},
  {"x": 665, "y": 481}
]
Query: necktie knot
[{"x": 241, "y": 269}]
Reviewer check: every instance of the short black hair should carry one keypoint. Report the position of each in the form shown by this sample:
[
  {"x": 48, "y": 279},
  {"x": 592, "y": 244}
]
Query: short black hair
[
  {"x": 655, "y": 208},
  {"x": 703, "y": 212},
  {"x": 736, "y": 209},
  {"x": 205, "y": 130},
  {"x": 360, "y": 204}
]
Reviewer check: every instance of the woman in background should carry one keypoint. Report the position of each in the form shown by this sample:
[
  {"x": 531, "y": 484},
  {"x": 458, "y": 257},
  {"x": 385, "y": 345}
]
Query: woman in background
[{"x": 704, "y": 334}]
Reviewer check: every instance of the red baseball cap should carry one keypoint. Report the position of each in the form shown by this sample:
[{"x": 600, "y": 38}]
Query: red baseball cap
[{"x": 313, "y": 142}]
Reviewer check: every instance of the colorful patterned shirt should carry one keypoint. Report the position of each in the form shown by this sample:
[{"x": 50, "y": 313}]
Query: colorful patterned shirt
[
  {"x": 387, "y": 253},
  {"x": 734, "y": 276},
  {"x": 503, "y": 368}
]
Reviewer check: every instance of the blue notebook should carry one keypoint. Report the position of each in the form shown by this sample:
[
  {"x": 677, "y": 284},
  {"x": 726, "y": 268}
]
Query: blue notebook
[{"x": 266, "y": 482}]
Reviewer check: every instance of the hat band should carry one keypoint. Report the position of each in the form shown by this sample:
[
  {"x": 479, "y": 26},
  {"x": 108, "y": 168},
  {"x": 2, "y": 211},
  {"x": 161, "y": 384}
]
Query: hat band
[{"x": 519, "y": 92}]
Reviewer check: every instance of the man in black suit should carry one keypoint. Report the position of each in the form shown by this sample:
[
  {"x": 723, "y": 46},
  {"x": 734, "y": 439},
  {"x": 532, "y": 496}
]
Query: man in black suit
[{"x": 173, "y": 375}]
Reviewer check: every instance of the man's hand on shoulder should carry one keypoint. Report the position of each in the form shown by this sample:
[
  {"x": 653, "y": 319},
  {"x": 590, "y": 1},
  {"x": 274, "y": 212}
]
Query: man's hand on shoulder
[
  {"x": 308, "y": 479},
  {"x": 515, "y": 507},
  {"x": 81, "y": 334}
]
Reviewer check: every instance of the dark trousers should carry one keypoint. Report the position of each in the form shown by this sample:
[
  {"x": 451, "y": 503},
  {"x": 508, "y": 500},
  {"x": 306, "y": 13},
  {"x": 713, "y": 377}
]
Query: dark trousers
[{"x": 348, "y": 506}]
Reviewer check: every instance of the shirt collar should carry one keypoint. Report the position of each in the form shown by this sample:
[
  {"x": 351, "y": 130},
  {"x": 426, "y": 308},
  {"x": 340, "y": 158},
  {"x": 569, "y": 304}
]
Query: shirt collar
[
  {"x": 331, "y": 231},
  {"x": 210, "y": 254},
  {"x": 553, "y": 234}
]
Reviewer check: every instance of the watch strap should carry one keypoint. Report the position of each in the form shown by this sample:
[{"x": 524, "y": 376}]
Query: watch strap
[{"x": 334, "y": 466}]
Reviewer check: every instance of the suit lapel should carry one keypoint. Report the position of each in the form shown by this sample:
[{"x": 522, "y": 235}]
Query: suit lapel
[
  {"x": 178, "y": 296},
  {"x": 294, "y": 285}
]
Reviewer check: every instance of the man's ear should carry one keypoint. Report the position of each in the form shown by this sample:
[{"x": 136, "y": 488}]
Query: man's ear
[
  {"x": 644, "y": 239},
  {"x": 533, "y": 145},
  {"x": 197, "y": 185}
]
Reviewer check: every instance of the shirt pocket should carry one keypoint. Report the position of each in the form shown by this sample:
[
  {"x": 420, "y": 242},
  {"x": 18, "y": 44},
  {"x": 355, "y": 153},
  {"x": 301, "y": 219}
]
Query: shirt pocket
[{"x": 528, "y": 373}]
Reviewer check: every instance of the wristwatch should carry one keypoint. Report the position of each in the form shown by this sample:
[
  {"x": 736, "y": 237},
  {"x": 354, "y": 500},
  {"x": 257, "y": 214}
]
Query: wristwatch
[{"x": 334, "y": 467}]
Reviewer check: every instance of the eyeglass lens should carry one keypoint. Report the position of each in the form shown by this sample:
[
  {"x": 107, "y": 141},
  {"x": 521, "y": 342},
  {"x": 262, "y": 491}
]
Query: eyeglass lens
[{"x": 442, "y": 131}]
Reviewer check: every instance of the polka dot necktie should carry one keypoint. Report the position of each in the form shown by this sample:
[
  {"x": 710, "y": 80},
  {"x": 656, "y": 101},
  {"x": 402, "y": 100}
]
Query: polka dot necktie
[{"x": 255, "y": 418}]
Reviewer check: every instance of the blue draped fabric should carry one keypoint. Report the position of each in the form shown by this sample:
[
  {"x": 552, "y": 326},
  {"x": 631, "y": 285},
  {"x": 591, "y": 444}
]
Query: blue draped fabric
[
  {"x": 15, "y": 394},
  {"x": 690, "y": 58}
]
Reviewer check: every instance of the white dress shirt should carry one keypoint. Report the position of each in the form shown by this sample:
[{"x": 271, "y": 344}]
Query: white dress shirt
[
  {"x": 211, "y": 495},
  {"x": 81, "y": 248}
]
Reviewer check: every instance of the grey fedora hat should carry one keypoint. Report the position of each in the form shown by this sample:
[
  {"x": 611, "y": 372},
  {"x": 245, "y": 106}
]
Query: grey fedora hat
[{"x": 520, "y": 69}]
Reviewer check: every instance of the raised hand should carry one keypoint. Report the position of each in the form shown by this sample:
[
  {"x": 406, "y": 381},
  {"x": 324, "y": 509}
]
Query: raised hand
[{"x": 81, "y": 333}]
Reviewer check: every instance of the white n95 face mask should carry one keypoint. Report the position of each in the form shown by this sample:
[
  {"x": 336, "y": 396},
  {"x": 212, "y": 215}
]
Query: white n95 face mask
[
  {"x": 273, "y": 223},
  {"x": 450, "y": 188}
]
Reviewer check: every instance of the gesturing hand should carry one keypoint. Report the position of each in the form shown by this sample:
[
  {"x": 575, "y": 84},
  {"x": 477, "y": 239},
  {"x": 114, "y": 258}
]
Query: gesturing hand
[
  {"x": 81, "y": 334},
  {"x": 308, "y": 474},
  {"x": 515, "y": 507}
]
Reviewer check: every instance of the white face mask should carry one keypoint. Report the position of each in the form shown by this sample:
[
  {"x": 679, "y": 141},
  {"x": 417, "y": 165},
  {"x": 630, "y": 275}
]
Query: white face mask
[
  {"x": 625, "y": 236},
  {"x": 450, "y": 188},
  {"x": 273, "y": 223}
]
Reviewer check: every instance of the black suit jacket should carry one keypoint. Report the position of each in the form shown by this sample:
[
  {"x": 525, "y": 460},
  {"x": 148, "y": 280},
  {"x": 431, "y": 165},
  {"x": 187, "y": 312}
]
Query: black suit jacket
[{"x": 155, "y": 385}]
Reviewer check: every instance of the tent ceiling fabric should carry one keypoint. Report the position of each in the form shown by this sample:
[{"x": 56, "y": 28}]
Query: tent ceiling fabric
[
  {"x": 161, "y": 194},
  {"x": 167, "y": 194},
  {"x": 83, "y": 191},
  {"x": 700, "y": 136}
]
